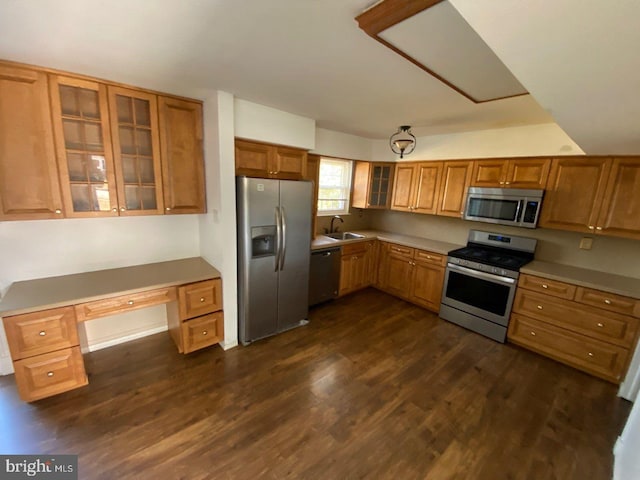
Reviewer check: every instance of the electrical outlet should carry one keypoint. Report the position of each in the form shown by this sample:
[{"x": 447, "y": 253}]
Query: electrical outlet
[{"x": 586, "y": 243}]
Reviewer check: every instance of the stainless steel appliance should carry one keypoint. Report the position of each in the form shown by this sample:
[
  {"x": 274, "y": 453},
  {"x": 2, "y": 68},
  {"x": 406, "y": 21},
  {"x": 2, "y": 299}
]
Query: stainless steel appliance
[
  {"x": 274, "y": 246},
  {"x": 324, "y": 279},
  {"x": 480, "y": 281},
  {"x": 506, "y": 206}
]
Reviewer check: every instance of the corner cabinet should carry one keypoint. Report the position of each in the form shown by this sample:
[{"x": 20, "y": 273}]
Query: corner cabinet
[
  {"x": 29, "y": 187},
  {"x": 263, "y": 160},
  {"x": 87, "y": 148},
  {"x": 372, "y": 183}
]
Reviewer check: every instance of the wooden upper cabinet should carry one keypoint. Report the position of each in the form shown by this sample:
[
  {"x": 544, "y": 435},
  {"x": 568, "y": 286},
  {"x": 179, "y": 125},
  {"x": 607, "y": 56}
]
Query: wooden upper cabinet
[
  {"x": 426, "y": 187},
  {"x": 511, "y": 173},
  {"x": 263, "y": 160},
  {"x": 136, "y": 151},
  {"x": 181, "y": 137},
  {"x": 83, "y": 143},
  {"x": 575, "y": 193},
  {"x": 403, "y": 187},
  {"x": 620, "y": 211},
  {"x": 456, "y": 177},
  {"x": 29, "y": 187},
  {"x": 372, "y": 185}
]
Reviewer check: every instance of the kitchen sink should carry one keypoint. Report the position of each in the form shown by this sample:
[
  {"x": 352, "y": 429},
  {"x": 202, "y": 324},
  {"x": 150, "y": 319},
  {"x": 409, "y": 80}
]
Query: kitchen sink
[{"x": 343, "y": 235}]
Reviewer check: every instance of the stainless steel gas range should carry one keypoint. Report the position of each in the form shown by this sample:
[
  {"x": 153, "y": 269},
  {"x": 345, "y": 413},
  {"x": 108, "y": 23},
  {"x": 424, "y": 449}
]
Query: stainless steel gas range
[{"x": 480, "y": 281}]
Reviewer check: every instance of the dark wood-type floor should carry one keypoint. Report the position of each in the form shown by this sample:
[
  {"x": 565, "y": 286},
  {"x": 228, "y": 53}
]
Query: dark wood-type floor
[{"x": 372, "y": 388}]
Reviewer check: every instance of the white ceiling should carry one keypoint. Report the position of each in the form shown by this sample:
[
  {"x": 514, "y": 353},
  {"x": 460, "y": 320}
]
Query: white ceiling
[{"x": 309, "y": 57}]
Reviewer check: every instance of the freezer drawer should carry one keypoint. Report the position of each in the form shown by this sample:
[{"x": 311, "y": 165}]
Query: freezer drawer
[{"x": 324, "y": 276}]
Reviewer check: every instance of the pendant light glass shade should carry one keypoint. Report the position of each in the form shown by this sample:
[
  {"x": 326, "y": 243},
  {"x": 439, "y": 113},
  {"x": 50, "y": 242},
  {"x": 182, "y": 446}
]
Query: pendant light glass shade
[{"x": 403, "y": 141}]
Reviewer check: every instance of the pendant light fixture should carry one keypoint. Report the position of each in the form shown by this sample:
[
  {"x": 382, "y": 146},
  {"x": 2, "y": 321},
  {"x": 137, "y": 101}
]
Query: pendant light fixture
[{"x": 403, "y": 141}]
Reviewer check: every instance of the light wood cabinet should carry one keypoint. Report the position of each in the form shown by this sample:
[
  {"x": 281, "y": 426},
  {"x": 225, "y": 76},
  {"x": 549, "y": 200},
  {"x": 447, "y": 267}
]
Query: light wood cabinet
[
  {"x": 412, "y": 274},
  {"x": 416, "y": 187},
  {"x": 125, "y": 303},
  {"x": 511, "y": 173},
  {"x": 312, "y": 174},
  {"x": 589, "y": 329},
  {"x": 196, "y": 321},
  {"x": 29, "y": 187},
  {"x": 356, "y": 266},
  {"x": 256, "y": 159},
  {"x": 45, "y": 350},
  {"x": 456, "y": 178},
  {"x": 181, "y": 137},
  {"x": 372, "y": 183}
]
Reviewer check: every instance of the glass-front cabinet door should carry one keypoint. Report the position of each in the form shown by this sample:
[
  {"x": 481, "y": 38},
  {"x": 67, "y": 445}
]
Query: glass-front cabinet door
[
  {"x": 136, "y": 151},
  {"x": 380, "y": 183},
  {"x": 83, "y": 143}
]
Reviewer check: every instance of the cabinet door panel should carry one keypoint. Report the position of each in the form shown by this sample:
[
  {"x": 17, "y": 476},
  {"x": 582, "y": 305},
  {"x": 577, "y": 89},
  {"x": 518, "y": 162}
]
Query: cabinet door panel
[
  {"x": 29, "y": 187},
  {"x": 402, "y": 187},
  {"x": 456, "y": 177},
  {"x": 528, "y": 173},
  {"x": 361, "y": 184},
  {"x": 136, "y": 151},
  {"x": 426, "y": 187},
  {"x": 489, "y": 173},
  {"x": 83, "y": 142},
  {"x": 574, "y": 194},
  {"x": 427, "y": 285},
  {"x": 620, "y": 213},
  {"x": 398, "y": 275},
  {"x": 182, "y": 156},
  {"x": 289, "y": 163}
]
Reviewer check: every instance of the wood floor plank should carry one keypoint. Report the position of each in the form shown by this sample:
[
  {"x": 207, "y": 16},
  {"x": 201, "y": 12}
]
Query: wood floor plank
[{"x": 373, "y": 387}]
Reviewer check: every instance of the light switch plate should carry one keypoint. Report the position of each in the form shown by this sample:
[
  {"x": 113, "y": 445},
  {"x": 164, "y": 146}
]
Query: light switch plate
[{"x": 586, "y": 243}]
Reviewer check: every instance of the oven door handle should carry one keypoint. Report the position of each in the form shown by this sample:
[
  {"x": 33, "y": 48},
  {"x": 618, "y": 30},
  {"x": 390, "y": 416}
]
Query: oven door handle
[{"x": 488, "y": 276}]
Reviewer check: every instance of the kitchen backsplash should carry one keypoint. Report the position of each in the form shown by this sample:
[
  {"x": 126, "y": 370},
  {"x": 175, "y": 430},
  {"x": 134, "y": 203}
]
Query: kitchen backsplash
[
  {"x": 357, "y": 220},
  {"x": 608, "y": 254}
]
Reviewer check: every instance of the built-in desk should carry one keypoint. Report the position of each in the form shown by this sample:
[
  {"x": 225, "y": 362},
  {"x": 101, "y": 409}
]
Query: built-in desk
[{"x": 40, "y": 316}]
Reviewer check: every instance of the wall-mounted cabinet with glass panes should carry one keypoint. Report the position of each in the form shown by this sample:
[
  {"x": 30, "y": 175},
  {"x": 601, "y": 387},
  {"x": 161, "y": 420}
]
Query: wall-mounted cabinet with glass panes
[{"x": 372, "y": 184}]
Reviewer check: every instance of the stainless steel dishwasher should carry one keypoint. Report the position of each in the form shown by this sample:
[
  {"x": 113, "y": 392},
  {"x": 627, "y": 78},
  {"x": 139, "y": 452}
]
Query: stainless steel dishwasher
[{"x": 324, "y": 276}]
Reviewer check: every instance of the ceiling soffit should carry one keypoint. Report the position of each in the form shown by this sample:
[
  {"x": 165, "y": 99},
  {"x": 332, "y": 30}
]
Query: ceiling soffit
[{"x": 432, "y": 35}]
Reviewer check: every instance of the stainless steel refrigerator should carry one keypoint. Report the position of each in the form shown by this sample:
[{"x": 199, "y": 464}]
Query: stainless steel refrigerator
[{"x": 274, "y": 247}]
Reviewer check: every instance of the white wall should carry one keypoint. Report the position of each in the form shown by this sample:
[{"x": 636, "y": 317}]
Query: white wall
[
  {"x": 627, "y": 461},
  {"x": 546, "y": 139},
  {"x": 218, "y": 225},
  {"x": 342, "y": 145},
  {"x": 43, "y": 248},
  {"x": 266, "y": 124}
]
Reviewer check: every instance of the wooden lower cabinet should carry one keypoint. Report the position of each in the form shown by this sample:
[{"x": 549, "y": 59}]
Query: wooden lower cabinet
[
  {"x": 196, "y": 320},
  {"x": 412, "y": 274},
  {"x": 357, "y": 266},
  {"x": 560, "y": 320}
]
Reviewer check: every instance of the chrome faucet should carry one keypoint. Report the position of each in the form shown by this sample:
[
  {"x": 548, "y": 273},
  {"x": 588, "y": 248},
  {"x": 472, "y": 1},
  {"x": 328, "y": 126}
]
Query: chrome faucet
[{"x": 331, "y": 228}]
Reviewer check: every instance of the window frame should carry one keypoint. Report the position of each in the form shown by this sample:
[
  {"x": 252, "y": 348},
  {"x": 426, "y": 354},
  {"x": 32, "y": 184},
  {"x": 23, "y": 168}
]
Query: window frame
[{"x": 346, "y": 187}]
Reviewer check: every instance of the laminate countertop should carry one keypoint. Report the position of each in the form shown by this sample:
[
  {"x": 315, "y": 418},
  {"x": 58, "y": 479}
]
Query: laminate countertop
[
  {"x": 435, "y": 246},
  {"x": 583, "y": 277},
  {"x": 52, "y": 292}
]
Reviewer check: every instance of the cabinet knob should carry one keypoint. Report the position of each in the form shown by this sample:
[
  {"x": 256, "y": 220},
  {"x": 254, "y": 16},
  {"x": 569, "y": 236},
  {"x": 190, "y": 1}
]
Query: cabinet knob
[
  {"x": 130, "y": 302},
  {"x": 168, "y": 209},
  {"x": 533, "y": 333},
  {"x": 114, "y": 209},
  {"x": 539, "y": 307},
  {"x": 42, "y": 333},
  {"x": 607, "y": 301},
  {"x": 590, "y": 354},
  {"x": 591, "y": 227},
  {"x": 501, "y": 183},
  {"x": 507, "y": 183},
  {"x": 462, "y": 212},
  {"x": 58, "y": 211},
  {"x": 599, "y": 228},
  {"x": 600, "y": 324},
  {"x": 49, "y": 374},
  {"x": 122, "y": 209},
  {"x": 428, "y": 257},
  {"x": 201, "y": 299},
  {"x": 205, "y": 332}
]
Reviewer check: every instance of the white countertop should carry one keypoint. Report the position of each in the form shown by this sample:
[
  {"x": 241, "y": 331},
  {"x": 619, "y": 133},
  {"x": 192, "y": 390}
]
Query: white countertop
[{"x": 434, "y": 246}]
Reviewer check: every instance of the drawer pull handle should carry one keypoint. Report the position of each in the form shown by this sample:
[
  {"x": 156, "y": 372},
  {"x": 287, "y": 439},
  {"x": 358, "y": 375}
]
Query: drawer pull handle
[
  {"x": 204, "y": 333},
  {"x": 599, "y": 228},
  {"x": 42, "y": 333},
  {"x": 539, "y": 307},
  {"x": 607, "y": 301},
  {"x": 201, "y": 299},
  {"x": 533, "y": 333},
  {"x": 58, "y": 211},
  {"x": 600, "y": 325},
  {"x": 428, "y": 257},
  {"x": 544, "y": 285},
  {"x": 49, "y": 374},
  {"x": 590, "y": 354},
  {"x": 130, "y": 302}
]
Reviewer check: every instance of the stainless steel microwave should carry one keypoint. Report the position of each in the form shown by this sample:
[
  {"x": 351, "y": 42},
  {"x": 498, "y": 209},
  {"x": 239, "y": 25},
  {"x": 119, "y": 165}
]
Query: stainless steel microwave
[{"x": 505, "y": 206}]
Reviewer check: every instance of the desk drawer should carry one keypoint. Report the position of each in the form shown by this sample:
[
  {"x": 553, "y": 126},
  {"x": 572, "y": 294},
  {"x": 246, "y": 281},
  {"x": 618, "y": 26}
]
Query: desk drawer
[
  {"x": 124, "y": 303},
  {"x": 200, "y": 298},
  {"x": 203, "y": 331},
  {"x": 49, "y": 374},
  {"x": 41, "y": 332}
]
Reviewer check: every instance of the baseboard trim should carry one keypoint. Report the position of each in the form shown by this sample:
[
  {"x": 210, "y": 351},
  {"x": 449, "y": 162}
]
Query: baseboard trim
[
  {"x": 228, "y": 345},
  {"x": 126, "y": 338}
]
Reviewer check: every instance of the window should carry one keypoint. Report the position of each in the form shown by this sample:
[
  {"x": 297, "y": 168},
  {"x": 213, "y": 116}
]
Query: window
[{"x": 334, "y": 186}]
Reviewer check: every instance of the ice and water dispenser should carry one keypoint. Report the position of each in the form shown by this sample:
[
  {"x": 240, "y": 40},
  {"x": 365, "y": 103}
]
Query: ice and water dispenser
[{"x": 263, "y": 241}]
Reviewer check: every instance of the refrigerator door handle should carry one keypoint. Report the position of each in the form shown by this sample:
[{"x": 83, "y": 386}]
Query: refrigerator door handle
[
  {"x": 283, "y": 231},
  {"x": 278, "y": 239}
]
